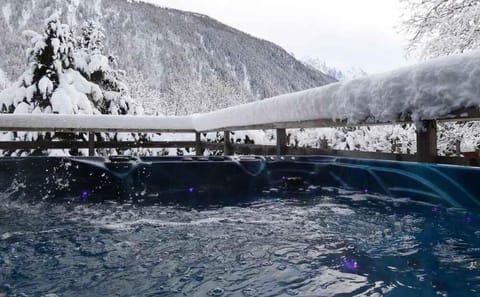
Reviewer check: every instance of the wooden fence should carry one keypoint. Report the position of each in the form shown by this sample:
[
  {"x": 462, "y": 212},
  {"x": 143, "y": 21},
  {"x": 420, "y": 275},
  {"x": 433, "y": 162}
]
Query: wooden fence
[{"x": 426, "y": 138}]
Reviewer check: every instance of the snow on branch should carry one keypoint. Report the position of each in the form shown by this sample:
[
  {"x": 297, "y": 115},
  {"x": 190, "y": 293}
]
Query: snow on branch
[{"x": 441, "y": 27}]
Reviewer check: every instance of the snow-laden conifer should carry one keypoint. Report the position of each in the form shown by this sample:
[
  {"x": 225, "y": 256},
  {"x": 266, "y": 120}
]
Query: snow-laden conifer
[{"x": 68, "y": 74}]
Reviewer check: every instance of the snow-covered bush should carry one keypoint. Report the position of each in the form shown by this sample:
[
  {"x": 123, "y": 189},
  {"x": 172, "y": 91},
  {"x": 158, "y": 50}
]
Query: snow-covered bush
[{"x": 389, "y": 138}]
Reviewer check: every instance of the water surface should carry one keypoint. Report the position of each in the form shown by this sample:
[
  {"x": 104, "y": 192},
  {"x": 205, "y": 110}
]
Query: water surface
[{"x": 332, "y": 243}]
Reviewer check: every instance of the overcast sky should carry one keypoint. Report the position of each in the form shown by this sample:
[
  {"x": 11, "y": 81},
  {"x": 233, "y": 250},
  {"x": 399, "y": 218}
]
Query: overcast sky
[{"x": 360, "y": 33}]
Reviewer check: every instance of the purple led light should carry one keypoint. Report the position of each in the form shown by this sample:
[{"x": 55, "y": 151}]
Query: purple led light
[
  {"x": 468, "y": 220},
  {"x": 435, "y": 209},
  {"x": 284, "y": 177},
  {"x": 191, "y": 190},
  {"x": 350, "y": 265},
  {"x": 83, "y": 196},
  {"x": 365, "y": 190}
]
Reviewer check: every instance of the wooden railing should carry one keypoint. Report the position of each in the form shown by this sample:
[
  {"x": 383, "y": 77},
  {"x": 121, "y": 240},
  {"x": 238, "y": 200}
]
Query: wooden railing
[{"x": 426, "y": 138}]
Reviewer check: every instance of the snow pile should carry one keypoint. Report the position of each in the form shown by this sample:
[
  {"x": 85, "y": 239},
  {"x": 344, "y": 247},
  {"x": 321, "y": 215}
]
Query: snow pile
[
  {"x": 426, "y": 91},
  {"x": 76, "y": 88}
]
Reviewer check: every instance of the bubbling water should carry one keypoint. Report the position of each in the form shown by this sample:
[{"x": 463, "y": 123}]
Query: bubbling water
[{"x": 333, "y": 243}]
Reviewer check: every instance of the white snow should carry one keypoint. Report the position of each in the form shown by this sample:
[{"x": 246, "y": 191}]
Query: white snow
[
  {"x": 341, "y": 74},
  {"x": 30, "y": 91},
  {"x": 56, "y": 45},
  {"x": 45, "y": 86},
  {"x": 71, "y": 11},
  {"x": 98, "y": 63},
  {"x": 4, "y": 81},
  {"x": 80, "y": 61},
  {"x": 12, "y": 95},
  {"x": 97, "y": 6},
  {"x": 123, "y": 123},
  {"x": 63, "y": 100},
  {"x": 22, "y": 108},
  {"x": 7, "y": 13},
  {"x": 246, "y": 79},
  {"x": 74, "y": 87}
]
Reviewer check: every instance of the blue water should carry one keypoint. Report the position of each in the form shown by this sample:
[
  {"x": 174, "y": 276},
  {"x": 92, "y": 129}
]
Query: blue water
[{"x": 331, "y": 243}]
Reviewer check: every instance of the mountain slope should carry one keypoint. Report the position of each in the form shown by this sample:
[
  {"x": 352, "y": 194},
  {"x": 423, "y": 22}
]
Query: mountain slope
[
  {"x": 4, "y": 82},
  {"x": 341, "y": 74},
  {"x": 179, "y": 62}
]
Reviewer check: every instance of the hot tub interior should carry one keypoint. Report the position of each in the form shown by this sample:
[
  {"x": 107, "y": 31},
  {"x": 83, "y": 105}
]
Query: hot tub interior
[
  {"x": 252, "y": 226},
  {"x": 227, "y": 180}
]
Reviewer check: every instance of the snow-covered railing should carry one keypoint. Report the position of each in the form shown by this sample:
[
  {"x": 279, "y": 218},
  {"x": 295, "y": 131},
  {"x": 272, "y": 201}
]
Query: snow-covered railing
[
  {"x": 436, "y": 89},
  {"x": 426, "y": 138},
  {"x": 446, "y": 89},
  {"x": 94, "y": 123}
]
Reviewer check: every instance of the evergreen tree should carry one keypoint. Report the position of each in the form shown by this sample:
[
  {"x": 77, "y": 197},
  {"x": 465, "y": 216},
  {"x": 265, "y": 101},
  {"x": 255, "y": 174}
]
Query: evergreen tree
[
  {"x": 51, "y": 83},
  {"x": 96, "y": 66},
  {"x": 68, "y": 74},
  {"x": 92, "y": 37}
]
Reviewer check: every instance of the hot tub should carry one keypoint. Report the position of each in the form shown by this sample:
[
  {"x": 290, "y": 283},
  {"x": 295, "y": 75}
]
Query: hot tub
[
  {"x": 251, "y": 226},
  {"x": 227, "y": 179}
]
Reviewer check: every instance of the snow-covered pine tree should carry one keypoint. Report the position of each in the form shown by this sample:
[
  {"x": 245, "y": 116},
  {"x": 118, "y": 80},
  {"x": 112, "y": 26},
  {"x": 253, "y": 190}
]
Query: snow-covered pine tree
[
  {"x": 91, "y": 37},
  {"x": 51, "y": 83},
  {"x": 96, "y": 66},
  {"x": 64, "y": 78}
]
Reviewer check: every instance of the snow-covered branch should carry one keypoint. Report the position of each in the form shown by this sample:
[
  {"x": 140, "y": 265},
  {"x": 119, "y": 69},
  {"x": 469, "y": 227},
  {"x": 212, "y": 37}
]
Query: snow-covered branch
[{"x": 441, "y": 27}]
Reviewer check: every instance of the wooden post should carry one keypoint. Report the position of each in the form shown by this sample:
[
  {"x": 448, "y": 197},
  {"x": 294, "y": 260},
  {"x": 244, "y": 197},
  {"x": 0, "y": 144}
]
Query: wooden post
[
  {"x": 427, "y": 142},
  {"x": 281, "y": 141},
  {"x": 91, "y": 144},
  {"x": 227, "y": 145},
  {"x": 198, "y": 144},
  {"x": 324, "y": 143},
  {"x": 458, "y": 148}
]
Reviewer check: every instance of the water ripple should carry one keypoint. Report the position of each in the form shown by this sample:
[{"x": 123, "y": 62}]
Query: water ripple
[{"x": 337, "y": 243}]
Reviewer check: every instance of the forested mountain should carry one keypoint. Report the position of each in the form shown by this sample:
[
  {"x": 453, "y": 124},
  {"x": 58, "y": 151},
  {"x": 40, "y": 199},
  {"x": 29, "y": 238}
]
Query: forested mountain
[{"x": 176, "y": 62}]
